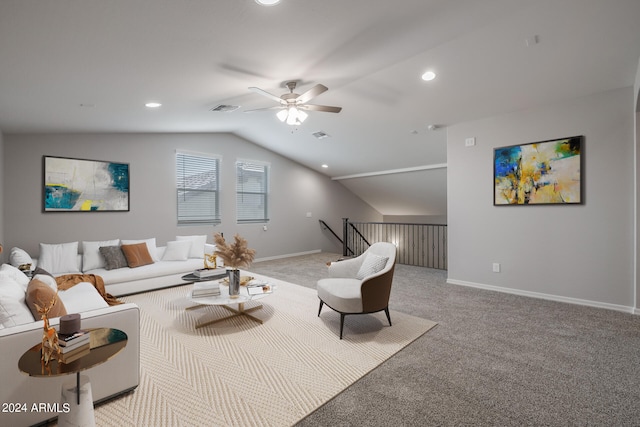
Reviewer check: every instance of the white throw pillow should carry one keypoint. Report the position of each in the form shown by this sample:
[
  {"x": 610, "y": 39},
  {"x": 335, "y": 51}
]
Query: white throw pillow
[
  {"x": 60, "y": 258},
  {"x": 177, "y": 251},
  {"x": 151, "y": 246},
  {"x": 13, "y": 308},
  {"x": 16, "y": 275},
  {"x": 91, "y": 256},
  {"x": 197, "y": 245},
  {"x": 82, "y": 297},
  {"x": 47, "y": 280},
  {"x": 18, "y": 257},
  {"x": 371, "y": 265}
]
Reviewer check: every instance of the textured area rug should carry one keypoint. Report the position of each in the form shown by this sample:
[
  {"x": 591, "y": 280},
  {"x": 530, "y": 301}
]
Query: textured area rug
[{"x": 238, "y": 372}]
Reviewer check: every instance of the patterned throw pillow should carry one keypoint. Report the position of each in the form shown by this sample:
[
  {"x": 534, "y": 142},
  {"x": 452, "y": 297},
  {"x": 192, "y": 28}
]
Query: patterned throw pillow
[{"x": 371, "y": 265}]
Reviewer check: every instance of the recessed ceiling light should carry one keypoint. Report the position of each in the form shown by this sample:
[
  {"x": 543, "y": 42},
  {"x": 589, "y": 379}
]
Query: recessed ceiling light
[
  {"x": 152, "y": 104},
  {"x": 267, "y": 2},
  {"x": 428, "y": 76},
  {"x": 325, "y": 166}
]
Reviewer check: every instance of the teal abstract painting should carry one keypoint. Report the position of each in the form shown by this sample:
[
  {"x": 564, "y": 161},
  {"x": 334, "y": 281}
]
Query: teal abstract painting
[{"x": 79, "y": 185}]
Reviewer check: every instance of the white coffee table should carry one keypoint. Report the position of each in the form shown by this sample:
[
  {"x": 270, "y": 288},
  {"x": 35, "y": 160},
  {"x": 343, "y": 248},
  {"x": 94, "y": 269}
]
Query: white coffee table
[{"x": 247, "y": 293}]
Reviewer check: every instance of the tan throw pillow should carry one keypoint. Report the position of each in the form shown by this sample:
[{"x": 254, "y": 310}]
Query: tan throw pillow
[
  {"x": 137, "y": 255},
  {"x": 40, "y": 293}
]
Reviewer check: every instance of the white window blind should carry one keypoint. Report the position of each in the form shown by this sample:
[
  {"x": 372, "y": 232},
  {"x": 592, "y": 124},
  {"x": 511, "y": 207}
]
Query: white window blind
[
  {"x": 252, "y": 191},
  {"x": 197, "y": 184}
]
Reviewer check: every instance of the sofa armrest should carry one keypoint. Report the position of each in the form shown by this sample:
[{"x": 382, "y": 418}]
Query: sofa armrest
[
  {"x": 119, "y": 374},
  {"x": 347, "y": 268}
]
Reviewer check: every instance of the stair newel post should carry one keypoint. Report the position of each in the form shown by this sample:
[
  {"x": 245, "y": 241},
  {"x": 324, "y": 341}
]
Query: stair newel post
[{"x": 345, "y": 231}]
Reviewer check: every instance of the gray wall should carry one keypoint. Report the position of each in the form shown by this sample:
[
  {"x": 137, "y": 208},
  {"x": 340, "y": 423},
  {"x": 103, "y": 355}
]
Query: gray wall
[
  {"x": 575, "y": 252},
  {"x": 294, "y": 191},
  {"x": 2, "y": 241},
  {"x": 636, "y": 93},
  {"x": 417, "y": 219}
]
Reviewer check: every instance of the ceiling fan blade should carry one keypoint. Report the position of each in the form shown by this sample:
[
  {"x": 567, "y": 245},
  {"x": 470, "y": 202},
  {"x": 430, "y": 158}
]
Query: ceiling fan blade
[
  {"x": 267, "y": 94},
  {"x": 279, "y": 107},
  {"x": 325, "y": 108},
  {"x": 311, "y": 93}
]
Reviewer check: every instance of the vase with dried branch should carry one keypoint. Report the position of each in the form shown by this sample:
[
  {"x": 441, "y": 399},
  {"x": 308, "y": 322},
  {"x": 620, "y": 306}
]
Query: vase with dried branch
[{"x": 234, "y": 256}]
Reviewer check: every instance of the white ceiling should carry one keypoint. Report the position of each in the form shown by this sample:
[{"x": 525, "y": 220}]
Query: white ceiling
[{"x": 90, "y": 65}]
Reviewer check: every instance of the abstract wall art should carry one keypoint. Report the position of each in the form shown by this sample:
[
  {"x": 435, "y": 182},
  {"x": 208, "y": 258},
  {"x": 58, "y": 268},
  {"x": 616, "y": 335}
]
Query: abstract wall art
[
  {"x": 539, "y": 173},
  {"x": 79, "y": 185}
]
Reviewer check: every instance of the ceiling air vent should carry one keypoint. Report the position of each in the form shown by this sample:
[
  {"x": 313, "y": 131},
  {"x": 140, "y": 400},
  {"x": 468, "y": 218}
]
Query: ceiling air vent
[
  {"x": 321, "y": 135},
  {"x": 223, "y": 108}
]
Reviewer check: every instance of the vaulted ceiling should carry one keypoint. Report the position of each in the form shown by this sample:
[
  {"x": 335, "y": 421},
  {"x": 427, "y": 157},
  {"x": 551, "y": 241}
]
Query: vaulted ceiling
[{"x": 91, "y": 65}]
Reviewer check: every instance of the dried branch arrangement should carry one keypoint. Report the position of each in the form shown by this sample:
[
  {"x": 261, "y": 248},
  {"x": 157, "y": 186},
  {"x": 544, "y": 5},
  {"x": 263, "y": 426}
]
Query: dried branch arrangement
[{"x": 235, "y": 255}]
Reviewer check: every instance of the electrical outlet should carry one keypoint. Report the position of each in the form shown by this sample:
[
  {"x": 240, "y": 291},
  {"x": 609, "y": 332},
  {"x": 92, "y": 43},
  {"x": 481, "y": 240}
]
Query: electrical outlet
[
  {"x": 264, "y": 227},
  {"x": 496, "y": 267}
]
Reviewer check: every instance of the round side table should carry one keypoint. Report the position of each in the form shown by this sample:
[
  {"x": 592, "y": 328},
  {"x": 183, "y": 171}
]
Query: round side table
[{"x": 104, "y": 344}]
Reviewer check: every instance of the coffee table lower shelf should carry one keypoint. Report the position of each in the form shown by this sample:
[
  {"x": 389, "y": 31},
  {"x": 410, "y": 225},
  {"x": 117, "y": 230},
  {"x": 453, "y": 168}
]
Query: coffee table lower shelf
[{"x": 240, "y": 311}]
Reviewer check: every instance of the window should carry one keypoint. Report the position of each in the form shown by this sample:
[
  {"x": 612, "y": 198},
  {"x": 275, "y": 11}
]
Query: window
[
  {"x": 197, "y": 184},
  {"x": 252, "y": 188}
]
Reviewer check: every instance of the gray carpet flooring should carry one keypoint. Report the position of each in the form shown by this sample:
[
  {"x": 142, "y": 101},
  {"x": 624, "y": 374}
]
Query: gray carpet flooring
[{"x": 495, "y": 359}]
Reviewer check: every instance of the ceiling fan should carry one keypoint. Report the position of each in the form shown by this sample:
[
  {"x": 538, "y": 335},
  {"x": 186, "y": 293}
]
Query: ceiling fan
[{"x": 292, "y": 106}]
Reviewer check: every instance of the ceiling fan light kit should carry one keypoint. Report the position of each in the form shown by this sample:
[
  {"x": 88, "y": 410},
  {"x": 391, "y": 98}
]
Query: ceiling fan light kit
[
  {"x": 292, "y": 116},
  {"x": 292, "y": 105}
]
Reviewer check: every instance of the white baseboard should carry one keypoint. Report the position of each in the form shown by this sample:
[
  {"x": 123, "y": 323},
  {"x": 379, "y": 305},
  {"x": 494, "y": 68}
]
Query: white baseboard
[
  {"x": 550, "y": 297},
  {"x": 270, "y": 258}
]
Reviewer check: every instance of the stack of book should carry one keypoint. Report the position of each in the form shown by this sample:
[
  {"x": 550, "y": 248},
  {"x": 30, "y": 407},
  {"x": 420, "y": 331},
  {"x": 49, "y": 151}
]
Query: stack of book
[
  {"x": 208, "y": 290},
  {"x": 74, "y": 346},
  {"x": 210, "y": 272}
]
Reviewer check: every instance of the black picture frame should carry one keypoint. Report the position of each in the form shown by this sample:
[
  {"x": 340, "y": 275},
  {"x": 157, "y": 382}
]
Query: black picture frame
[
  {"x": 83, "y": 185},
  {"x": 539, "y": 173}
]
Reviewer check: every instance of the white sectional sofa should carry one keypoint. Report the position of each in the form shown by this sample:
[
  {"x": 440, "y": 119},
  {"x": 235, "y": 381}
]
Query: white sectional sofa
[
  {"x": 19, "y": 330},
  {"x": 23, "y": 395},
  {"x": 170, "y": 262}
]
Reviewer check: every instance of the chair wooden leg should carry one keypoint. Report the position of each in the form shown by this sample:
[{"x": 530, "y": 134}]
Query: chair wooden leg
[
  {"x": 320, "y": 308},
  {"x": 341, "y": 324},
  {"x": 386, "y": 310}
]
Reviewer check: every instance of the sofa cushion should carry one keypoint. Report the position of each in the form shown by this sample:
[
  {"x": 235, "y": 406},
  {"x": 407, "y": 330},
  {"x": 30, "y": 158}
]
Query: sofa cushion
[
  {"x": 47, "y": 279},
  {"x": 177, "y": 250},
  {"x": 137, "y": 255},
  {"x": 59, "y": 258},
  {"x": 82, "y": 297},
  {"x": 151, "y": 246},
  {"x": 41, "y": 294},
  {"x": 13, "y": 308},
  {"x": 197, "y": 245},
  {"x": 343, "y": 295},
  {"x": 91, "y": 257},
  {"x": 157, "y": 269},
  {"x": 17, "y": 275},
  {"x": 113, "y": 257}
]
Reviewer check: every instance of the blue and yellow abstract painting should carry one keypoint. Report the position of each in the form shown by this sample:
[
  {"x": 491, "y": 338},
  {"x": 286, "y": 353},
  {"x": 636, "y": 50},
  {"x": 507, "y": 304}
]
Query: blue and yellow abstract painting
[
  {"x": 85, "y": 185},
  {"x": 546, "y": 172}
]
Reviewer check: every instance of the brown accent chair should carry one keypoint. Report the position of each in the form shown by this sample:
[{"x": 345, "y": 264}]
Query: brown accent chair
[{"x": 360, "y": 285}]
